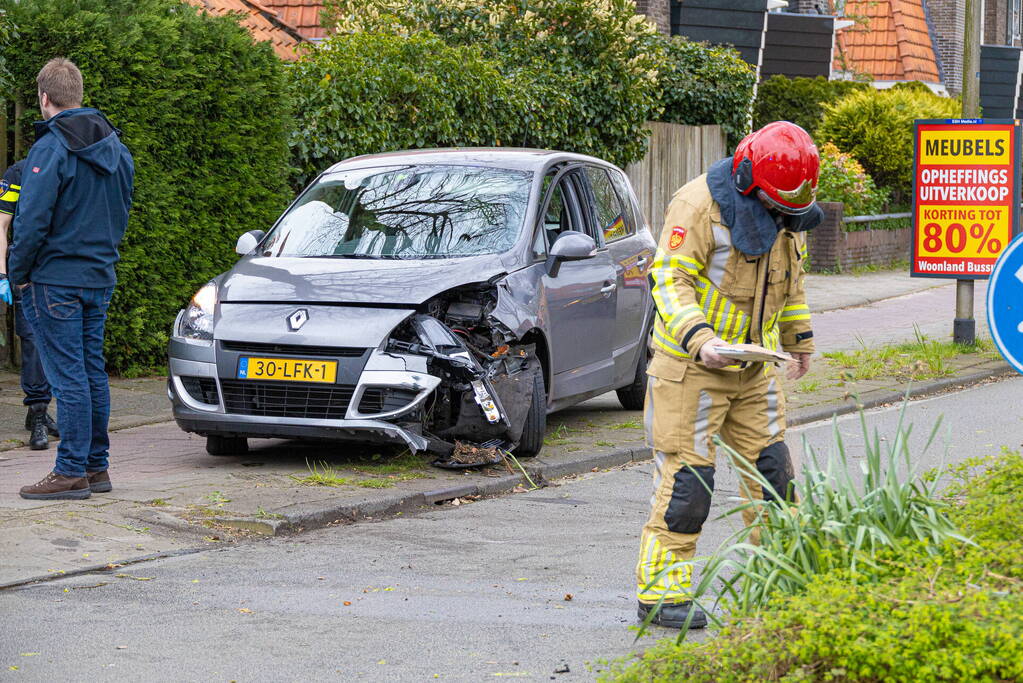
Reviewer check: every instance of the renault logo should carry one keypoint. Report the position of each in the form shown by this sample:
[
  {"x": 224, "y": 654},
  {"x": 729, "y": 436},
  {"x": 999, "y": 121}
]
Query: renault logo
[{"x": 297, "y": 319}]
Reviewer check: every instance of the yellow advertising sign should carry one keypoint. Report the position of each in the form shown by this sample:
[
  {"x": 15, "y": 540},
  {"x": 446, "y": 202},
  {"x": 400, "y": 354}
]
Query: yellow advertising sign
[{"x": 965, "y": 147}]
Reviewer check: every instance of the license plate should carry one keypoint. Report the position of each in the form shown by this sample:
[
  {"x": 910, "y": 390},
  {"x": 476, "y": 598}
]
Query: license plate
[{"x": 287, "y": 369}]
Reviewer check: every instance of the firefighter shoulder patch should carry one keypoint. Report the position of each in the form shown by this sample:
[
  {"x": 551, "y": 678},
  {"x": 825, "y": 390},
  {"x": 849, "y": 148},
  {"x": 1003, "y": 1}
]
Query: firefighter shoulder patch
[{"x": 678, "y": 237}]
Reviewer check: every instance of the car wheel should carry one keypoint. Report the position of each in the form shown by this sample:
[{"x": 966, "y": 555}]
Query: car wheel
[
  {"x": 536, "y": 421},
  {"x": 226, "y": 445},
  {"x": 633, "y": 395}
]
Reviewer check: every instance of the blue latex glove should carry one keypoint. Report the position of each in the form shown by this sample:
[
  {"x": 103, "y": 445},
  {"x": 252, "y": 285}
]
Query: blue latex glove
[{"x": 5, "y": 291}]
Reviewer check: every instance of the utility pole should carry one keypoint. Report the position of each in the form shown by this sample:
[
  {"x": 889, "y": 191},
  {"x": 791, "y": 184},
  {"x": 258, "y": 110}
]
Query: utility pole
[{"x": 964, "y": 327}]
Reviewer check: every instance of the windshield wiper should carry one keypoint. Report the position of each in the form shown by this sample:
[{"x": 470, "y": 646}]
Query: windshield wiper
[{"x": 366, "y": 256}]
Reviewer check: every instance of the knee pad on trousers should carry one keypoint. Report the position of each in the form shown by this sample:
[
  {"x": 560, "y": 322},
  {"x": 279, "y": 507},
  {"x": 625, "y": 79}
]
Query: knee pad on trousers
[
  {"x": 775, "y": 465},
  {"x": 689, "y": 506}
]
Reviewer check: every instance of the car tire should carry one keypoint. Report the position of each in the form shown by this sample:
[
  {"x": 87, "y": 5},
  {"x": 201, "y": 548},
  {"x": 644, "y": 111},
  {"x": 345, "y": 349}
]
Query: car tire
[
  {"x": 533, "y": 432},
  {"x": 633, "y": 395},
  {"x": 226, "y": 445}
]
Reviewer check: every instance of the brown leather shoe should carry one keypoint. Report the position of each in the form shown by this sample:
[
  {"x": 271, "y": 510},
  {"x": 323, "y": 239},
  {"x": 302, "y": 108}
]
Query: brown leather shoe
[
  {"x": 57, "y": 487},
  {"x": 99, "y": 482}
]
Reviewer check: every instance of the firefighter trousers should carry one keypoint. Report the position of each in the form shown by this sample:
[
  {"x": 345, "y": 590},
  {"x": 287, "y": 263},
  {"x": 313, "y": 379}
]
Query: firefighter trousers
[{"x": 686, "y": 405}]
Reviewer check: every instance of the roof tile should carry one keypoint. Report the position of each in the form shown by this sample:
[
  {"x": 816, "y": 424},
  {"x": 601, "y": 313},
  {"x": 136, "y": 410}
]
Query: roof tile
[{"x": 304, "y": 15}]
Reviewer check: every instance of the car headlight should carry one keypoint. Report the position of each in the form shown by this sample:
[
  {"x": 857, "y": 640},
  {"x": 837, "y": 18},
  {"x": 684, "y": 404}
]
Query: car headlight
[{"x": 197, "y": 322}]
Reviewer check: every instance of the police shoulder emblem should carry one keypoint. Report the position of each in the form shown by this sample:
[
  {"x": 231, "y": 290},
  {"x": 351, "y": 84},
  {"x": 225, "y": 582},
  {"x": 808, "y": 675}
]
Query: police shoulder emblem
[
  {"x": 678, "y": 236},
  {"x": 4, "y": 186}
]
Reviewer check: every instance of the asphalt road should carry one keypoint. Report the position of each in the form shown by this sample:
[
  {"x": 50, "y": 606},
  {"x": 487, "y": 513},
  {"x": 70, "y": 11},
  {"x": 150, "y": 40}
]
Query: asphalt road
[{"x": 461, "y": 593}]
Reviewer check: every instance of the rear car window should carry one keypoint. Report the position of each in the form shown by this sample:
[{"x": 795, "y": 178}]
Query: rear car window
[{"x": 610, "y": 213}]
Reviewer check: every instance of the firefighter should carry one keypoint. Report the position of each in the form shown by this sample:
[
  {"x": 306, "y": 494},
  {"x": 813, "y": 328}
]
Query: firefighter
[{"x": 728, "y": 270}]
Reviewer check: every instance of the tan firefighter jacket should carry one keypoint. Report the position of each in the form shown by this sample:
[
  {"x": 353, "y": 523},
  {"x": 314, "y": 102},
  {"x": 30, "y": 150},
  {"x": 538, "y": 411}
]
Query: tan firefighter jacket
[{"x": 703, "y": 287}]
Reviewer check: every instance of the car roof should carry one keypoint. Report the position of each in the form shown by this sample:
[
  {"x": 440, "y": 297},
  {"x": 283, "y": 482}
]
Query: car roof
[{"x": 498, "y": 157}]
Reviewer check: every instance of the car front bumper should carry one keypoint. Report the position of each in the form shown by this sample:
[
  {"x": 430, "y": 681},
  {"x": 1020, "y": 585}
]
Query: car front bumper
[{"x": 208, "y": 399}]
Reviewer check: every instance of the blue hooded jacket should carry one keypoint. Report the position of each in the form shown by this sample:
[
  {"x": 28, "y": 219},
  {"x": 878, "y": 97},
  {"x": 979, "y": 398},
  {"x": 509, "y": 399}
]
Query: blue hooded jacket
[{"x": 75, "y": 196}]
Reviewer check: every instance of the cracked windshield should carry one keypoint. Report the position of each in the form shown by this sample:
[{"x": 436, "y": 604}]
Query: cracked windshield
[{"x": 408, "y": 212}]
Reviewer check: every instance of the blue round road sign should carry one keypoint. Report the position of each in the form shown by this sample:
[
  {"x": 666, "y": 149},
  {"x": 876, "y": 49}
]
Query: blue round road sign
[{"x": 1005, "y": 304}]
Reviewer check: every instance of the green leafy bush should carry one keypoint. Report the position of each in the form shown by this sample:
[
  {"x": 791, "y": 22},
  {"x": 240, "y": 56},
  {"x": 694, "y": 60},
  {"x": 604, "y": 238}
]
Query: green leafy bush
[
  {"x": 706, "y": 84},
  {"x": 930, "y": 612},
  {"x": 362, "y": 93},
  {"x": 876, "y": 127},
  {"x": 8, "y": 34},
  {"x": 800, "y": 100},
  {"x": 843, "y": 180},
  {"x": 203, "y": 112},
  {"x": 590, "y": 68}
]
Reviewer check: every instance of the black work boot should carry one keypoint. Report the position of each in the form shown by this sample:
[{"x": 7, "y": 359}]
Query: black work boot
[
  {"x": 37, "y": 424},
  {"x": 51, "y": 425},
  {"x": 674, "y": 615}
]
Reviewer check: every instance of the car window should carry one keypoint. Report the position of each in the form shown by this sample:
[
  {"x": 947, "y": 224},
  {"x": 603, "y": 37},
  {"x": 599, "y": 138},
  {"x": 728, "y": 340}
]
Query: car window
[
  {"x": 621, "y": 185},
  {"x": 405, "y": 212},
  {"x": 558, "y": 217},
  {"x": 607, "y": 206}
]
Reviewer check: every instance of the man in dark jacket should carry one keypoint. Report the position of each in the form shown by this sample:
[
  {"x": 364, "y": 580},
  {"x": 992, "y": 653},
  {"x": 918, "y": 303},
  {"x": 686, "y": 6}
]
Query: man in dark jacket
[{"x": 75, "y": 198}]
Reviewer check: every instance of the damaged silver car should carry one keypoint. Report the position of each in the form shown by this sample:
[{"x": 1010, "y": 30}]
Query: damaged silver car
[{"x": 446, "y": 300}]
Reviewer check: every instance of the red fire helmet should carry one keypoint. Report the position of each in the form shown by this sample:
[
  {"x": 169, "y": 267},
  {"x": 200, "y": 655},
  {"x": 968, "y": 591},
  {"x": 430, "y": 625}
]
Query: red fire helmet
[{"x": 782, "y": 163}]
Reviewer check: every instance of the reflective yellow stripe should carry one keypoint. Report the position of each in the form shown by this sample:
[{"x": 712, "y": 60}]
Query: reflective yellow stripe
[
  {"x": 802, "y": 250},
  {"x": 656, "y": 579},
  {"x": 10, "y": 196},
  {"x": 664, "y": 341},
  {"x": 690, "y": 265},
  {"x": 792, "y": 313},
  {"x": 670, "y": 307}
]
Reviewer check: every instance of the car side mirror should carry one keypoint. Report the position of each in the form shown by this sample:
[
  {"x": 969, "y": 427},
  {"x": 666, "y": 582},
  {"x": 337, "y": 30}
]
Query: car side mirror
[
  {"x": 248, "y": 241},
  {"x": 570, "y": 246}
]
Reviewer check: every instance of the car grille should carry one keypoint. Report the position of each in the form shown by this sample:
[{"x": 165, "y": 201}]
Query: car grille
[
  {"x": 287, "y": 399},
  {"x": 202, "y": 389},
  {"x": 292, "y": 349}
]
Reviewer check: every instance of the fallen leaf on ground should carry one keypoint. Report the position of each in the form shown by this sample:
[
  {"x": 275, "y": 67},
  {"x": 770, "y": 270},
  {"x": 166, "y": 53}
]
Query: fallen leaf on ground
[
  {"x": 245, "y": 610},
  {"x": 347, "y": 603},
  {"x": 568, "y": 597},
  {"x": 137, "y": 578},
  {"x": 29, "y": 654}
]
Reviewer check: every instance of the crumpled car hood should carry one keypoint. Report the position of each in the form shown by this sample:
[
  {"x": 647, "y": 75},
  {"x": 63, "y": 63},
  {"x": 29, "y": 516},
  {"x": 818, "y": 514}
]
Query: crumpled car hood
[{"x": 352, "y": 281}]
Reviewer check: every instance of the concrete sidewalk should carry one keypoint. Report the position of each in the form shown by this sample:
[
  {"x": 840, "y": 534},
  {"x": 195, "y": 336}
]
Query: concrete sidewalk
[{"x": 169, "y": 496}]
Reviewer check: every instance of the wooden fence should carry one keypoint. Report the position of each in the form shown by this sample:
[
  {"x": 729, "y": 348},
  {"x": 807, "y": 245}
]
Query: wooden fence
[{"x": 676, "y": 154}]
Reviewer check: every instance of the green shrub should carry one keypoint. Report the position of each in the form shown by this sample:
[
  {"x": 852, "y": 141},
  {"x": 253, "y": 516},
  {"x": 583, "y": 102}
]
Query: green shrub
[
  {"x": 799, "y": 100},
  {"x": 706, "y": 84},
  {"x": 843, "y": 180},
  {"x": 955, "y": 615},
  {"x": 8, "y": 34},
  {"x": 589, "y": 67},
  {"x": 369, "y": 92},
  {"x": 876, "y": 127},
  {"x": 203, "y": 112}
]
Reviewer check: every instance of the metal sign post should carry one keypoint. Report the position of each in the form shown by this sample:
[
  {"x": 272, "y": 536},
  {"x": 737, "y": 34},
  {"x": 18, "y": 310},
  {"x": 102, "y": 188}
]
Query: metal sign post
[{"x": 966, "y": 194}]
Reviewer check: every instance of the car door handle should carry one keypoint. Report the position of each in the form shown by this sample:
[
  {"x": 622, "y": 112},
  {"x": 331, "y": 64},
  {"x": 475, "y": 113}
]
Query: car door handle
[
  {"x": 641, "y": 262},
  {"x": 608, "y": 288}
]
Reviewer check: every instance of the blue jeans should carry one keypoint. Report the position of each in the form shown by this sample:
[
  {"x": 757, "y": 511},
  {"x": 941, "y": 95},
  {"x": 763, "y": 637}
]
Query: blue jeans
[
  {"x": 68, "y": 323},
  {"x": 33, "y": 379}
]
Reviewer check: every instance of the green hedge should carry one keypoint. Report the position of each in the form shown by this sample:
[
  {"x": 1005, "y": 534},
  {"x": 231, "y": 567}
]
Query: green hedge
[
  {"x": 203, "y": 112},
  {"x": 800, "y": 100},
  {"x": 587, "y": 70},
  {"x": 370, "y": 92},
  {"x": 706, "y": 84},
  {"x": 953, "y": 616},
  {"x": 842, "y": 179}
]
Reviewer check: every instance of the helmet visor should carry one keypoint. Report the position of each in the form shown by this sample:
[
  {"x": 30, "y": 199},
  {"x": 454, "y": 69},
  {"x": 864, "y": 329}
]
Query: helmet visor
[{"x": 781, "y": 208}]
